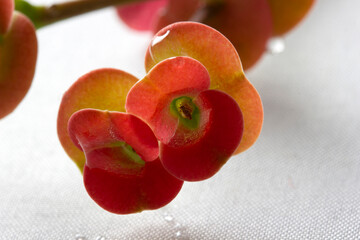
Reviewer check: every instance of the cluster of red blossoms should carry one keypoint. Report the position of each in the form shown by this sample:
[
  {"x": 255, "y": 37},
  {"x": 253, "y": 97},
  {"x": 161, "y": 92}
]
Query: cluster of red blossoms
[
  {"x": 248, "y": 24},
  {"x": 137, "y": 141}
]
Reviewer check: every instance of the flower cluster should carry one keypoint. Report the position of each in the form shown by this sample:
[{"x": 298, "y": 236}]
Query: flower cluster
[
  {"x": 248, "y": 24},
  {"x": 137, "y": 141}
]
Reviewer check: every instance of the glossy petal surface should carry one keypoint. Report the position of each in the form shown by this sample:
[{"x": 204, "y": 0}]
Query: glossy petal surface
[
  {"x": 122, "y": 172},
  {"x": 199, "y": 158},
  {"x": 247, "y": 24},
  {"x": 287, "y": 14},
  {"x": 150, "y": 98},
  {"x": 141, "y": 16},
  {"x": 89, "y": 129},
  {"x": 221, "y": 60},
  {"x": 18, "y": 54},
  {"x": 176, "y": 11},
  {"x": 6, "y": 11},
  {"x": 103, "y": 89}
]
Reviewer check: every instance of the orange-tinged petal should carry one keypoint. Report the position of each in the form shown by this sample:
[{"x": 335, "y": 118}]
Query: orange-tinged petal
[
  {"x": 286, "y": 14},
  {"x": 247, "y": 24},
  {"x": 6, "y": 11},
  {"x": 18, "y": 54},
  {"x": 103, "y": 89}
]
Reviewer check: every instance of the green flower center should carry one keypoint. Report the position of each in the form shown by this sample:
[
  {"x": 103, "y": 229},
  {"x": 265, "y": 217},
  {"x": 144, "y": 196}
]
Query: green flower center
[{"x": 187, "y": 112}]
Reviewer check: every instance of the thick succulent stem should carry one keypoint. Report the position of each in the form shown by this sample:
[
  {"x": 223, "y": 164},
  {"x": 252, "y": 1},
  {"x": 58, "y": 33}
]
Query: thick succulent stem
[{"x": 45, "y": 15}]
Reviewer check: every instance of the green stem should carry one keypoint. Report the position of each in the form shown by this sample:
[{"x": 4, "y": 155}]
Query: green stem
[{"x": 45, "y": 15}]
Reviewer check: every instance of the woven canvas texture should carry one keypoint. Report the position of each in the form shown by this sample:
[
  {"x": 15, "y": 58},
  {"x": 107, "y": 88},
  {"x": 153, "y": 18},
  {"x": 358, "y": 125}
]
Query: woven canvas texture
[{"x": 301, "y": 180}]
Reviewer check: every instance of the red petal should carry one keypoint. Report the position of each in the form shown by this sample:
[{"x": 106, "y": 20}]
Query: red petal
[
  {"x": 150, "y": 98},
  {"x": 200, "y": 158},
  {"x": 141, "y": 16}
]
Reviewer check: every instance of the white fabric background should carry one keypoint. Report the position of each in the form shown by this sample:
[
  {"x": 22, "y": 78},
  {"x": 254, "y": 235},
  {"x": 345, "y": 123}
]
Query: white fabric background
[{"x": 301, "y": 180}]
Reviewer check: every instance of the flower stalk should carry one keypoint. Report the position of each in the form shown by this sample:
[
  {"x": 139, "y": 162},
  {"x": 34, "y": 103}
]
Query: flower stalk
[{"x": 45, "y": 15}]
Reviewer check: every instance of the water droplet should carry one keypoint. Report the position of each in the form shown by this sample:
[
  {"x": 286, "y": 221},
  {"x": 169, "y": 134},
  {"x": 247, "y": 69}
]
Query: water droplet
[
  {"x": 155, "y": 41},
  {"x": 276, "y": 45},
  {"x": 158, "y": 39},
  {"x": 179, "y": 231},
  {"x": 168, "y": 218},
  {"x": 80, "y": 237},
  {"x": 178, "y": 234},
  {"x": 100, "y": 238}
]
